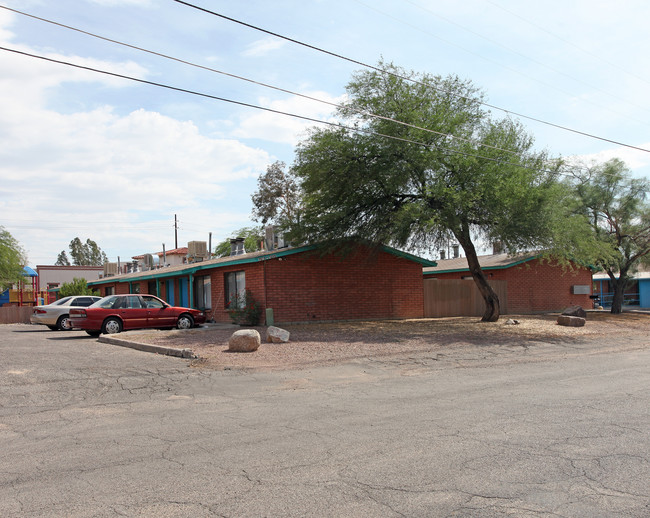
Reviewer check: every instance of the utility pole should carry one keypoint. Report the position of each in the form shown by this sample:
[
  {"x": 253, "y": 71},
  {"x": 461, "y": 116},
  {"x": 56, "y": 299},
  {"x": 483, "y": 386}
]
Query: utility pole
[{"x": 175, "y": 232}]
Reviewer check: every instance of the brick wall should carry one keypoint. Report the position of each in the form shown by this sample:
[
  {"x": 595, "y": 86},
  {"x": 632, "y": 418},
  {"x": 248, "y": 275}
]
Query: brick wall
[
  {"x": 254, "y": 282},
  {"x": 537, "y": 286},
  {"x": 307, "y": 287}
]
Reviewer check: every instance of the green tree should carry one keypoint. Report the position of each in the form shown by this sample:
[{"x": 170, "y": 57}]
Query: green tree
[
  {"x": 62, "y": 259},
  {"x": 12, "y": 260},
  {"x": 423, "y": 186},
  {"x": 76, "y": 287},
  {"x": 252, "y": 239},
  {"x": 83, "y": 254},
  {"x": 277, "y": 199},
  {"x": 619, "y": 216}
]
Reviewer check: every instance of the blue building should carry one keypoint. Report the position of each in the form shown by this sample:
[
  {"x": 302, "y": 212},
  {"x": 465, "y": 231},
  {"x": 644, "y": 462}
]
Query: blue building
[{"x": 636, "y": 294}]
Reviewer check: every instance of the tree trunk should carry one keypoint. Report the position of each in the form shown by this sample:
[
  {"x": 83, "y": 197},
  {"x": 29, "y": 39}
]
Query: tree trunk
[
  {"x": 492, "y": 308},
  {"x": 619, "y": 286}
]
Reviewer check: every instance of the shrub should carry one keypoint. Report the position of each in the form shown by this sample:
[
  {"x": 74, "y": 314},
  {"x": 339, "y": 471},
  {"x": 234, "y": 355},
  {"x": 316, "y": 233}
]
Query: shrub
[{"x": 244, "y": 309}]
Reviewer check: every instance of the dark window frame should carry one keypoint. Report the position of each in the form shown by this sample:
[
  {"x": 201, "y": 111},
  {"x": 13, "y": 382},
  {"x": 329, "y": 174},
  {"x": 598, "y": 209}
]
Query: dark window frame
[{"x": 234, "y": 283}]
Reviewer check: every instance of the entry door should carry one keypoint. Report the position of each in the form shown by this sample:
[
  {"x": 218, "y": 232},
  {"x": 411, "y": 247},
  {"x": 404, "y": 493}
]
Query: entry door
[
  {"x": 183, "y": 294},
  {"x": 169, "y": 292}
]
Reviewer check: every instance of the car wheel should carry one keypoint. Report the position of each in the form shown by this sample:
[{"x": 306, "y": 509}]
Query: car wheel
[
  {"x": 63, "y": 323},
  {"x": 94, "y": 333},
  {"x": 112, "y": 326},
  {"x": 185, "y": 322}
]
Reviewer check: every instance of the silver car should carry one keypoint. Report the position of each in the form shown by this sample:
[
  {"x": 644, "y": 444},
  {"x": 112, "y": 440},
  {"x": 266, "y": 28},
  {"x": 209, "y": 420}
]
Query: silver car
[{"x": 56, "y": 315}]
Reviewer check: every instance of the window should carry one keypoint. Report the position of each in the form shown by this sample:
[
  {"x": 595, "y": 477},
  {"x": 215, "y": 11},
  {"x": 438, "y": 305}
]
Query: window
[
  {"x": 152, "y": 302},
  {"x": 202, "y": 292},
  {"x": 109, "y": 291},
  {"x": 83, "y": 301},
  {"x": 235, "y": 288},
  {"x": 135, "y": 287}
]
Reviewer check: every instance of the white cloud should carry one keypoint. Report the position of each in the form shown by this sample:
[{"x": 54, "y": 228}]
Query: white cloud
[
  {"x": 633, "y": 158},
  {"x": 115, "y": 178},
  {"x": 263, "y": 47},
  {"x": 276, "y": 127}
]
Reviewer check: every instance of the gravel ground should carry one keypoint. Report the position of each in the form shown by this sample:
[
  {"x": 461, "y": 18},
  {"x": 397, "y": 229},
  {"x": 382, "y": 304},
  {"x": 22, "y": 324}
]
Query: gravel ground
[{"x": 326, "y": 343}]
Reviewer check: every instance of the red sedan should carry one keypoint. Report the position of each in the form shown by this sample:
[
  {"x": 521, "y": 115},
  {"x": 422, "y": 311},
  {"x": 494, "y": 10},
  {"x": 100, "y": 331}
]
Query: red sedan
[{"x": 117, "y": 313}]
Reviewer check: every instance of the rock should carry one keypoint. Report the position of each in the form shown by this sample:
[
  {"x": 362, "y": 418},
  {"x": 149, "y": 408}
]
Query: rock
[
  {"x": 575, "y": 311},
  {"x": 567, "y": 320},
  {"x": 512, "y": 322},
  {"x": 276, "y": 335},
  {"x": 244, "y": 341}
]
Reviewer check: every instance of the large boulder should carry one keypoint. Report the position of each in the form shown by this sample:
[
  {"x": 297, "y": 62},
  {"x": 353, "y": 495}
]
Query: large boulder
[
  {"x": 244, "y": 341},
  {"x": 567, "y": 320},
  {"x": 575, "y": 311},
  {"x": 276, "y": 335}
]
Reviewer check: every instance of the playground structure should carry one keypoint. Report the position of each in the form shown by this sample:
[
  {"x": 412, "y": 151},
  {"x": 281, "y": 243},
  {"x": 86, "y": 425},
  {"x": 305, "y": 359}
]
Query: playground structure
[{"x": 16, "y": 303}]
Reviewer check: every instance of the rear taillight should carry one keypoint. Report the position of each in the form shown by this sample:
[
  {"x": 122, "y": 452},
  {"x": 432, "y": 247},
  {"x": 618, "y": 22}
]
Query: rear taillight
[
  {"x": 39, "y": 311},
  {"x": 77, "y": 313}
]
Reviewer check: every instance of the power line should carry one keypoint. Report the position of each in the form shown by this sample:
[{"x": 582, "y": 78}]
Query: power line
[
  {"x": 234, "y": 76},
  {"x": 361, "y": 112},
  {"x": 249, "y": 105},
  {"x": 383, "y": 71},
  {"x": 568, "y": 42},
  {"x": 516, "y": 52}
]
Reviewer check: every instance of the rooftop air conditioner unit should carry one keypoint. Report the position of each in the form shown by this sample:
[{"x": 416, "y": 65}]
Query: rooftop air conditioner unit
[
  {"x": 197, "y": 250},
  {"x": 110, "y": 269},
  {"x": 147, "y": 260},
  {"x": 237, "y": 246}
]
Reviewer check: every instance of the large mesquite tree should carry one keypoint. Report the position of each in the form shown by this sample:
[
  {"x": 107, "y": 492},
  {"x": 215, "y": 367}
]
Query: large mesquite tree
[
  {"x": 449, "y": 170},
  {"x": 617, "y": 209}
]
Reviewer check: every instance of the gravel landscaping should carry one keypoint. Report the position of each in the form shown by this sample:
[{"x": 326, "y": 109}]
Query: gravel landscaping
[{"x": 323, "y": 343}]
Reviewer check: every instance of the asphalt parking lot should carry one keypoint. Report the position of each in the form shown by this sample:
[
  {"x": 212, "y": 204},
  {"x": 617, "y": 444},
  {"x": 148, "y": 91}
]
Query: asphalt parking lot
[{"x": 92, "y": 429}]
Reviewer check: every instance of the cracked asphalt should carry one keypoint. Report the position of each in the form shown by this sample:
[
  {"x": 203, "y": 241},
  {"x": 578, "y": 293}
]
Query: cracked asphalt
[{"x": 92, "y": 429}]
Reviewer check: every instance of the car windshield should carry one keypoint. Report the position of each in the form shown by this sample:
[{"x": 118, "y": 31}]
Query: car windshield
[{"x": 62, "y": 301}]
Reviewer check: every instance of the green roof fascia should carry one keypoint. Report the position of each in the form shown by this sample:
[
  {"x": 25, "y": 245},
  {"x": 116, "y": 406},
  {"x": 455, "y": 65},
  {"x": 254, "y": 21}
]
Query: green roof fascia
[
  {"x": 501, "y": 267},
  {"x": 410, "y": 257},
  {"x": 190, "y": 270}
]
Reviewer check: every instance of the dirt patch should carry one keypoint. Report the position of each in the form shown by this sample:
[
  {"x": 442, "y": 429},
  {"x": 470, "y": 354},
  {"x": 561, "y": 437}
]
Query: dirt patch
[{"x": 325, "y": 343}]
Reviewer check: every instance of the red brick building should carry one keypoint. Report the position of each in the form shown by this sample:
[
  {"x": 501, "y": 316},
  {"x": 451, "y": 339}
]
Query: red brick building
[
  {"x": 297, "y": 284},
  {"x": 533, "y": 284}
]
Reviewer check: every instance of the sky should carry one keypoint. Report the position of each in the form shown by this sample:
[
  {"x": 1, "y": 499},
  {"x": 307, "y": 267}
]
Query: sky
[{"x": 94, "y": 156}]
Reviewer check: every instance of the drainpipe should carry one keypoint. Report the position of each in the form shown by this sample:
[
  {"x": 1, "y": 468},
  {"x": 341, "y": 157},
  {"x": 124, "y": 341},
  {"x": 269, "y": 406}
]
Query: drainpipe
[{"x": 191, "y": 281}]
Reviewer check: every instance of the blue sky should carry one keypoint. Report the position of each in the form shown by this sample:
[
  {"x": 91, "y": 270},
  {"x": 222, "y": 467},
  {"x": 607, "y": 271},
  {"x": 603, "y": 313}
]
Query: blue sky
[{"x": 88, "y": 155}]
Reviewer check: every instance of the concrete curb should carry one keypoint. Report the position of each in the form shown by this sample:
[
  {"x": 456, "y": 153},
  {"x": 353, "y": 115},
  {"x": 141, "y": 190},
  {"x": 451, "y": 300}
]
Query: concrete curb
[
  {"x": 158, "y": 349},
  {"x": 149, "y": 348}
]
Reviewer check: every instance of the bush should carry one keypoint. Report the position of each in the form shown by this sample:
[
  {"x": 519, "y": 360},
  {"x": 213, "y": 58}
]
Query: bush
[
  {"x": 244, "y": 309},
  {"x": 76, "y": 287}
]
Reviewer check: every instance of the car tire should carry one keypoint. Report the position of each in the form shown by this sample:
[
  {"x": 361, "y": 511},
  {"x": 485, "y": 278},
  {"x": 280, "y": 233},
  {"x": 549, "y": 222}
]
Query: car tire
[
  {"x": 112, "y": 326},
  {"x": 185, "y": 322},
  {"x": 63, "y": 323},
  {"x": 94, "y": 333}
]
